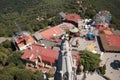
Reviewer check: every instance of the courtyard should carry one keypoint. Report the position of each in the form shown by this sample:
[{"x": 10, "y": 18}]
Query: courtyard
[{"x": 112, "y": 69}]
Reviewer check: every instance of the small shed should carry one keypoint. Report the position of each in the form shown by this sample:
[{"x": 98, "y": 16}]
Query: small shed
[{"x": 37, "y": 36}]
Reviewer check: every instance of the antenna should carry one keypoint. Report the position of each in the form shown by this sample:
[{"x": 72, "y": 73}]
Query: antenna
[
  {"x": 18, "y": 28},
  {"x": 62, "y": 16}
]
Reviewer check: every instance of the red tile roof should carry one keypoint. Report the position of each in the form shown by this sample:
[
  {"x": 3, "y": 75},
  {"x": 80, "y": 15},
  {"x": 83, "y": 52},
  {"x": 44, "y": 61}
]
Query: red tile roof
[
  {"x": 102, "y": 26},
  {"x": 47, "y": 54},
  {"x": 57, "y": 30},
  {"x": 72, "y": 17},
  {"x": 110, "y": 42},
  {"x": 107, "y": 32},
  {"x": 27, "y": 38},
  {"x": 113, "y": 40},
  {"x": 22, "y": 38}
]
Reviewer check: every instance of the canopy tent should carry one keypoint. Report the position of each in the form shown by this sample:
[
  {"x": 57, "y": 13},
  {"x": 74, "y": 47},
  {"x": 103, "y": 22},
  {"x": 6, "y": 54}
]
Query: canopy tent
[{"x": 74, "y": 30}]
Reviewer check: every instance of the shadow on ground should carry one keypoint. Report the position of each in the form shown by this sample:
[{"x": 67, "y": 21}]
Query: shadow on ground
[{"x": 115, "y": 64}]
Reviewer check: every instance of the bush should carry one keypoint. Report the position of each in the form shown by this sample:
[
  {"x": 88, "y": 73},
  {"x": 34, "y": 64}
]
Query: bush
[
  {"x": 102, "y": 69},
  {"x": 50, "y": 75}
]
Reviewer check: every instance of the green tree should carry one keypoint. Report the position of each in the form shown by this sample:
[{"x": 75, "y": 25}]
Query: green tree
[
  {"x": 6, "y": 44},
  {"x": 3, "y": 58},
  {"x": 5, "y": 77},
  {"x": 15, "y": 73},
  {"x": 89, "y": 60},
  {"x": 15, "y": 60}
]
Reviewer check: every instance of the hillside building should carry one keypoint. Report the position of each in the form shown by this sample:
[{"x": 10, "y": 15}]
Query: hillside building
[
  {"x": 37, "y": 56},
  {"x": 72, "y": 18},
  {"x": 53, "y": 33},
  {"x": 23, "y": 40},
  {"x": 110, "y": 43}
]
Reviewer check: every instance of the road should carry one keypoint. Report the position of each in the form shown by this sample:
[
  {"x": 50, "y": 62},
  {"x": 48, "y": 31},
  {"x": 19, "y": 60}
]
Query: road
[{"x": 4, "y": 38}]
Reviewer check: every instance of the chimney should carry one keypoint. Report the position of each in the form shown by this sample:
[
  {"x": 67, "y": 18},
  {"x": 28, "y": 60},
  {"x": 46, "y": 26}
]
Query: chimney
[{"x": 30, "y": 47}]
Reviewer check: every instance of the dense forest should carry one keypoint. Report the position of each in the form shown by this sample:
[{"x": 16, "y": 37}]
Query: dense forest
[{"x": 25, "y": 12}]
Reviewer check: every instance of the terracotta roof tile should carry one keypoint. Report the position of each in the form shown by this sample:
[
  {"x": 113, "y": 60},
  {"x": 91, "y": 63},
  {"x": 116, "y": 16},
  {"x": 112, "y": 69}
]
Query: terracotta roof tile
[
  {"x": 56, "y": 30},
  {"x": 72, "y": 17},
  {"x": 29, "y": 40},
  {"x": 47, "y": 54},
  {"x": 107, "y": 32},
  {"x": 110, "y": 42}
]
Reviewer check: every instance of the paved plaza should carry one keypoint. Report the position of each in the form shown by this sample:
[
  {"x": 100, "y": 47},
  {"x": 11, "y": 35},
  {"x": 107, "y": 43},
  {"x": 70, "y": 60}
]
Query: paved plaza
[
  {"x": 85, "y": 44},
  {"x": 89, "y": 76},
  {"x": 107, "y": 58},
  {"x": 112, "y": 70}
]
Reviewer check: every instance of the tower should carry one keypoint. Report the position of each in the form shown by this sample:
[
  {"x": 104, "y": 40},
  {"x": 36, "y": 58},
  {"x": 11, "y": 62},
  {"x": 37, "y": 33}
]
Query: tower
[{"x": 66, "y": 69}]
